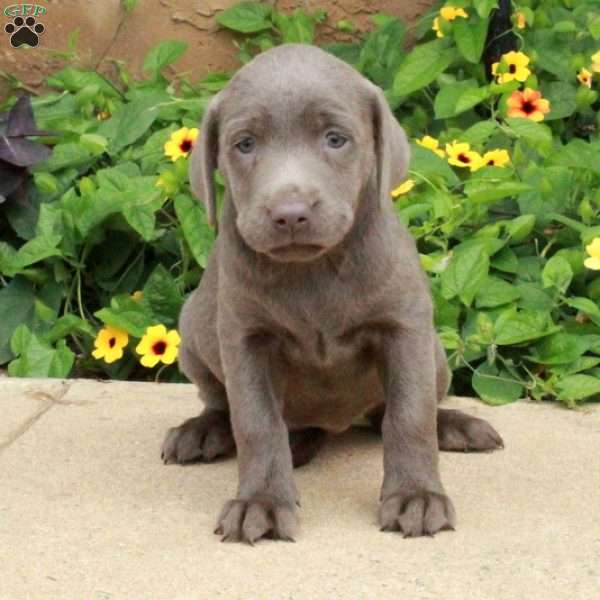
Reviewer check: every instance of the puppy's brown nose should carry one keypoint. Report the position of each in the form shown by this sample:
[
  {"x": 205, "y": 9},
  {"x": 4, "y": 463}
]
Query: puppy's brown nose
[{"x": 291, "y": 216}]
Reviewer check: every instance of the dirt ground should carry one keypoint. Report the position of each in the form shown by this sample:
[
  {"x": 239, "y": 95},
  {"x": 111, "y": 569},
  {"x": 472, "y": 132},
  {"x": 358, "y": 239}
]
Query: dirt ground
[{"x": 107, "y": 32}]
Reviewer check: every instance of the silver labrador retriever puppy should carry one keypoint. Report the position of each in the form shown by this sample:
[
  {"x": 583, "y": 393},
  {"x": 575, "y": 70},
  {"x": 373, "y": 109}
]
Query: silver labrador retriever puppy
[{"x": 313, "y": 309}]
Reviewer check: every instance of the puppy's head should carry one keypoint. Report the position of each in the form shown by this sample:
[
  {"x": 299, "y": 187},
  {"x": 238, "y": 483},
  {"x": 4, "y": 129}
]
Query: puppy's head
[{"x": 299, "y": 137}]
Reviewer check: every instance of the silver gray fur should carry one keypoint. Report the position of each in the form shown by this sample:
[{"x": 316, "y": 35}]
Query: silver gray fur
[{"x": 313, "y": 309}]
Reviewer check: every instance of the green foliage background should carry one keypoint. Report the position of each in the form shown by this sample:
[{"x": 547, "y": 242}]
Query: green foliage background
[{"x": 504, "y": 247}]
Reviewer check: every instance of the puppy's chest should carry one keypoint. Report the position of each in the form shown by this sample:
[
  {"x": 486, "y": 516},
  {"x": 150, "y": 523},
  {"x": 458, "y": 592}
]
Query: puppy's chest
[{"x": 326, "y": 345}]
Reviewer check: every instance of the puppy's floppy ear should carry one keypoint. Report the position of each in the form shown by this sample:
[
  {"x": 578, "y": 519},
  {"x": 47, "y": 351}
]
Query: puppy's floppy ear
[
  {"x": 391, "y": 147},
  {"x": 204, "y": 160}
]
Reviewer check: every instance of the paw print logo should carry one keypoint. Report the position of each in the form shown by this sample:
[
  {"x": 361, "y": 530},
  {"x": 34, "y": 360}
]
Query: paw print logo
[{"x": 24, "y": 32}]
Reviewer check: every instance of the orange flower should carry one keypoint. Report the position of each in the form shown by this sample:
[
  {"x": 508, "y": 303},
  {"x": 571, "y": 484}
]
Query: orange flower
[
  {"x": 528, "y": 104},
  {"x": 520, "y": 19}
]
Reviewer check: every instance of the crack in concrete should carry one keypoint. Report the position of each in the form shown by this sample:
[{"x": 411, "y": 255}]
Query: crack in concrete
[{"x": 49, "y": 401}]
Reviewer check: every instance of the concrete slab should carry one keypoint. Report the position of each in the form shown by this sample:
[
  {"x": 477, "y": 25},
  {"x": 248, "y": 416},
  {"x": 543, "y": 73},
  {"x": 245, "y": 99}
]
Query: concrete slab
[
  {"x": 88, "y": 511},
  {"x": 22, "y": 402}
]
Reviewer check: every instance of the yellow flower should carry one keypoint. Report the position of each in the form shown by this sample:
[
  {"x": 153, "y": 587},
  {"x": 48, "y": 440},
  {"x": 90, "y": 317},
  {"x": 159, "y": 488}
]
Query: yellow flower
[
  {"x": 593, "y": 249},
  {"x": 512, "y": 65},
  {"x": 109, "y": 344},
  {"x": 181, "y": 143},
  {"x": 596, "y": 62},
  {"x": 137, "y": 295},
  {"x": 461, "y": 155},
  {"x": 436, "y": 28},
  {"x": 520, "y": 19},
  {"x": 450, "y": 13},
  {"x": 528, "y": 104},
  {"x": 431, "y": 144},
  {"x": 158, "y": 345},
  {"x": 495, "y": 158},
  {"x": 403, "y": 188},
  {"x": 585, "y": 77}
]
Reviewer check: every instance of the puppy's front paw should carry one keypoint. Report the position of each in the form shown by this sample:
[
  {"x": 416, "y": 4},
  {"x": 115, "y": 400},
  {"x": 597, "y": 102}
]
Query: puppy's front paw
[
  {"x": 262, "y": 516},
  {"x": 417, "y": 513},
  {"x": 201, "y": 438}
]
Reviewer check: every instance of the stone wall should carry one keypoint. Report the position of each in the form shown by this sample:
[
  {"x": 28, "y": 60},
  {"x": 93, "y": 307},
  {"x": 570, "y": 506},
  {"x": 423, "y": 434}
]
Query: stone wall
[{"x": 107, "y": 31}]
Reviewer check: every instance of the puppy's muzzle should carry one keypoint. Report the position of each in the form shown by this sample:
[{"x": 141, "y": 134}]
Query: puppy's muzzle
[{"x": 292, "y": 217}]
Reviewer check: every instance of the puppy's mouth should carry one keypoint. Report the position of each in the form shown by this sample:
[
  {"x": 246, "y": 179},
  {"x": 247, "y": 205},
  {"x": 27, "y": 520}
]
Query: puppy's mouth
[{"x": 296, "y": 252}]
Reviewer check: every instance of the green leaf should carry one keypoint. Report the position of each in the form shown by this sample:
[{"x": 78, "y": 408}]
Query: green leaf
[
  {"x": 470, "y": 36},
  {"x": 125, "y": 313},
  {"x": 577, "y": 387},
  {"x": 479, "y": 132},
  {"x": 95, "y": 144},
  {"x": 68, "y": 154},
  {"x": 17, "y": 301},
  {"x": 490, "y": 190},
  {"x": 551, "y": 55},
  {"x": 581, "y": 364},
  {"x": 587, "y": 306},
  {"x": 594, "y": 28},
  {"x": 557, "y": 273},
  {"x": 496, "y": 386},
  {"x": 519, "y": 228},
  {"x": 516, "y": 327},
  {"x": 198, "y": 234},
  {"x": 466, "y": 272},
  {"x": 559, "y": 349},
  {"x": 37, "y": 358},
  {"x": 562, "y": 99},
  {"x": 75, "y": 80},
  {"x": 429, "y": 164},
  {"x": 162, "y": 296},
  {"x": 424, "y": 63},
  {"x": 297, "y": 28},
  {"x": 454, "y": 99},
  {"x": 533, "y": 297},
  {"x": 485, "y": 7},
  {"x": 537, "y": 134},
  {"x": 121, "y": 189},
  {"x": 66, "y": 325},
  {"x": 247, "y": 17},
  {"x": 34, "y": 251},
  {"x": 505, "y": 260},
  {"x": 129, "y": 5},
  {"x": 382, "y": 53},
  {"x": 162, "y": 55},
  {"x": 132, "y": 121},
  {"x": 496, "y": 292}
]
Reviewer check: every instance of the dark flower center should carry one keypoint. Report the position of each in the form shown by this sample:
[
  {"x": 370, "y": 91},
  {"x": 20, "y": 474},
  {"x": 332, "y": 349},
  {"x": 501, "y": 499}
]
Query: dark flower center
[
  {"x": 528, "y": 107},
  {"x": 159, "y": 347},
  {"x": 512, "y": 68},
  {"x": 490, "y": 162},
  {"x": 185, "y": 146},
  {"x": 463, "y": 158},
  {"x": 112, "y": 342}
]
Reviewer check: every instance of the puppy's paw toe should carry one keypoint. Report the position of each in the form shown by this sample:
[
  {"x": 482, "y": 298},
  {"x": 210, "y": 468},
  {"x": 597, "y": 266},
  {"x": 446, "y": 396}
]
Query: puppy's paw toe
[
  {"x": 417, "y": 514},
  {"x": 460, "y": 432},
  {"x": 262, "y": 516},
  {"x": 202, "y": 438}
]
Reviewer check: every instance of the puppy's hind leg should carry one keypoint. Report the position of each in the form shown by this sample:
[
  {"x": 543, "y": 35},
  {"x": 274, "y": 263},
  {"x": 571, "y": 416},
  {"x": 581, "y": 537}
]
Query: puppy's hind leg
[
  {"x": 305, "y": 443},
  {"x": 456, "y": 431},
  {"x": 460, "y": 432},
  {"x": 209, "y": 435}
]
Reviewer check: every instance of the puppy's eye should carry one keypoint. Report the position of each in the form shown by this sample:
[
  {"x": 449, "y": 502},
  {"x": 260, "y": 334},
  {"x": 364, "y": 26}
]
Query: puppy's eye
[
  {"x": 335, "y": 139},
  {"x": 246, "y": 145}
]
